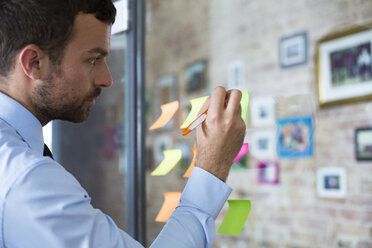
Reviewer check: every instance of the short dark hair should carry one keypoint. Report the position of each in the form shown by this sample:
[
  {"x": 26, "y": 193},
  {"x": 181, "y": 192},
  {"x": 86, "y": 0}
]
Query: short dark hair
[{"x": 47, "y": 24}]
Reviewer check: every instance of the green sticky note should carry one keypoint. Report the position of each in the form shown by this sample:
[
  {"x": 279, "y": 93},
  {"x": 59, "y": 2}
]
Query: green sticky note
[
  {"x": 235, "y": 217},
  {"x": 196, "y": 105},
  {"x": 244, "y": 104},
  {"x": 171, "y": 158}
]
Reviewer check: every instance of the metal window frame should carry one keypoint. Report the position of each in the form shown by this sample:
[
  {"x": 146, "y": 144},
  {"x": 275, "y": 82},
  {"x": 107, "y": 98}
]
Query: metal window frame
[{"x": 135, "y": 102}]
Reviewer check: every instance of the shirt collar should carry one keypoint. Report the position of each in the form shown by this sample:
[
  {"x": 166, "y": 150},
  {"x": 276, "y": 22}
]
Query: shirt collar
[{"x": 25, "y": 123}]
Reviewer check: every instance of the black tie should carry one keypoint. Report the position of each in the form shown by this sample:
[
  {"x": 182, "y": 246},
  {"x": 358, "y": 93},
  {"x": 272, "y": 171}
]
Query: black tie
[{"x": 47, "y": 152}]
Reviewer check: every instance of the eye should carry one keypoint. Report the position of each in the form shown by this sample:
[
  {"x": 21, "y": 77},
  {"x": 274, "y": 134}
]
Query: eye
[{"x": 94, "y": 60}]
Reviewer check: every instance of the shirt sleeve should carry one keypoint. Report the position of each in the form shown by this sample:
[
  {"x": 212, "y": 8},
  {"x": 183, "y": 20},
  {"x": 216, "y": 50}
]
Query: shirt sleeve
[{"x": 192, "y": 224}]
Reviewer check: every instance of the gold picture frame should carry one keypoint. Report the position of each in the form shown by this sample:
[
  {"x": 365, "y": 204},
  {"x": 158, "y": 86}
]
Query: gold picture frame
[{"x": 344, "y": 66}]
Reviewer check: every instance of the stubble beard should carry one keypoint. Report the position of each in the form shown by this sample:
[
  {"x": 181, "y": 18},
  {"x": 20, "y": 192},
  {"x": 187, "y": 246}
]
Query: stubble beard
[{"x": 52, "y": 103}]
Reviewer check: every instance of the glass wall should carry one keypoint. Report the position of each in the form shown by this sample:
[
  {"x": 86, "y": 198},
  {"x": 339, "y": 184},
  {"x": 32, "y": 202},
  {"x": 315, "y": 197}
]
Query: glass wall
[
  {"x": 306, "y": 185},
  {"x": 93, "y": 151}
]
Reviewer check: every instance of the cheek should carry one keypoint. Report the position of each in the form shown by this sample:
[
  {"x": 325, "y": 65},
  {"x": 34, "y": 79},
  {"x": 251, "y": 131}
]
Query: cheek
[{"x": 77, "y": 82}]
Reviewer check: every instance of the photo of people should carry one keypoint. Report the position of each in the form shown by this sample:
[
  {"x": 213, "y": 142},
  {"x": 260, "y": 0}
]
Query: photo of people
[
  {"x": 363, "y": 143},
  {"x": 332, "y": 182},
  {"x": 295, "y": 137},
  {"x": 345, "y": 66},
  {"x": 351, "y": 65}
]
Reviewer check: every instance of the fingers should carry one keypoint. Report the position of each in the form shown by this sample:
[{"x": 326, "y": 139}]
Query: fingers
[
  {"x": 205, "y": 106},
  {"x": 233, "y": 102},
  {"x": 222, "y": 102},
  {"x": 217, "y": 101}
]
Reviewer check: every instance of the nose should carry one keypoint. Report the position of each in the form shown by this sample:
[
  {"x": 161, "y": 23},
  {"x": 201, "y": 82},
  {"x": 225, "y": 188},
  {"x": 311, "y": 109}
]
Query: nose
[{"x": 103, "y": 78}]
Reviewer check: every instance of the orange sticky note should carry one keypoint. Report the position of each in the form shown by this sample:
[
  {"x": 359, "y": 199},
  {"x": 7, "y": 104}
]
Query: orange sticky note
[
  {"x": 171, "y": 201},
  {"x": 188, "y": 172},
  {"x": 167, "y": 112}
]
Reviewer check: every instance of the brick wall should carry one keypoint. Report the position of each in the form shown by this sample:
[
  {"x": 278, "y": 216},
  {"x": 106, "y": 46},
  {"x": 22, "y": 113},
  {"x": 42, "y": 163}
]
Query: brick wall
[{"x": 290, "y": 214}]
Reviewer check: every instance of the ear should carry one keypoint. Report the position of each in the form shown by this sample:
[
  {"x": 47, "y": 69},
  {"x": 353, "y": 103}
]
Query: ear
[{"x": 32, "y": 59}]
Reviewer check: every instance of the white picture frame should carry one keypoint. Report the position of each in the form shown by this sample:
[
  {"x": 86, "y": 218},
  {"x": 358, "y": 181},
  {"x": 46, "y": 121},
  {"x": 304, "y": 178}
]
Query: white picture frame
[
  {"x": 236, "y": 78},
  {"x": 332, "y": 182},
  {"x": 262, "y": 111},
  {"x": 263, "y": 145}
]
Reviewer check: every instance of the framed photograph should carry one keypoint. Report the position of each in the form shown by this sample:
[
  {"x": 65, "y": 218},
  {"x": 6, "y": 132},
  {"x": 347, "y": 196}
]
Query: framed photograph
[
  {"x": 263, "y": 144},
  {"x": 344, "y": 66},
  {"x": 293, "y": 50},
  {"x": 295, "y": 138},
  {"x": 331, "y": 182},
  {"x": 263, "y": 111},
  {"x": 236, "y": 75},
  {"x": 196, "y": 76},
  {"x": 268, "y": 172},
  {"x": 363, "y": 143},
  {"x": 166, "y": 91}
]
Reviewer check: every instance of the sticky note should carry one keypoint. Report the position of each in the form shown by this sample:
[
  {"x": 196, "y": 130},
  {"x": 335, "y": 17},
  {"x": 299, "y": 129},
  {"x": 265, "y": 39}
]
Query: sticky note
[
  {"x": 171, "y": 158},
  {"x": 244, "y": 104},
  {"x": 242, "y": 152},
  {"x": 171, "y": 201},
  {"x": 235, "y": 217},
  {"x": 167, "y": 112},
  {"x": 196, "y": 105},
  {"x": 188, "y": 172}
]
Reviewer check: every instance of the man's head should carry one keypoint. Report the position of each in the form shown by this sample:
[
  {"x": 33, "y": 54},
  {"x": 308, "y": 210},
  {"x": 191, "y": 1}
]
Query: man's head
[{"x": 53, "y": 51}]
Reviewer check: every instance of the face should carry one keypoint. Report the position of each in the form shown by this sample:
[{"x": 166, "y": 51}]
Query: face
[{"x": 69, "y": 91}]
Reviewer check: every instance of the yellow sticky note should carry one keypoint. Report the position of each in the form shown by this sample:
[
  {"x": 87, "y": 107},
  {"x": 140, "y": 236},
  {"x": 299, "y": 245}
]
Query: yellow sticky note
[
  {"x": 196, "y": 105},
  {"x": 189, "y": 170},
  {"x": 167, "y": 112},
  {"x": 171, "y": 158},
  {"x": 171, "y": 201},
  {"x": 235, "y": 217},
  {"x": 244, "y": 104}
]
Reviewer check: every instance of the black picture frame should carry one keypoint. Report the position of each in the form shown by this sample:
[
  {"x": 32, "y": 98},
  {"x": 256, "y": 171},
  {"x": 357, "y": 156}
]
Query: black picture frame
[
  {"x": 293, "y": 50},
  {"x": 196, "y": 76},
  {"x": 363, "y": 144}
]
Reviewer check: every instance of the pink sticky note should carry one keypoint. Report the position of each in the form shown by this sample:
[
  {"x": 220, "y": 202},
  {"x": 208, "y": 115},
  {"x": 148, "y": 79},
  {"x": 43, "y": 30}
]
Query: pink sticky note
[{"x": 242, "y": 152}]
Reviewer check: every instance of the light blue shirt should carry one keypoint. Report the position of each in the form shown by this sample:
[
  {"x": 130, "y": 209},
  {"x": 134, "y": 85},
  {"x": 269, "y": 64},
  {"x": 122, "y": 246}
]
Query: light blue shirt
[{"x": 44, "y": 206}]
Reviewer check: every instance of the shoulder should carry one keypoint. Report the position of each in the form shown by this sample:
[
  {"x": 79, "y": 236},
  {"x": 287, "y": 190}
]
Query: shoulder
[
  {"x": 47, "y": 204},
  {"x": 16, "y": 158}
]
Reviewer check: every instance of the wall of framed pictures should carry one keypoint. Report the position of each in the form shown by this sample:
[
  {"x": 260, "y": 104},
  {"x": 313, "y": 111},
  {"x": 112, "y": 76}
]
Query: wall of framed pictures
[{"x": 307, "y": 68}]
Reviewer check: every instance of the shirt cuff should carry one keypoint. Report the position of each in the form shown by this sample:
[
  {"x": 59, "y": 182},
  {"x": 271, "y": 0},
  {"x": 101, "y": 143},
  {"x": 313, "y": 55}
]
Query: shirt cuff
[{"x": 206, "y": 192}]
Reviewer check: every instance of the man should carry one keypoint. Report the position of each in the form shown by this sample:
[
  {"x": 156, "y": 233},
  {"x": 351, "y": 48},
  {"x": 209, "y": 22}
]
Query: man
[{"x": 52, "y": 66}]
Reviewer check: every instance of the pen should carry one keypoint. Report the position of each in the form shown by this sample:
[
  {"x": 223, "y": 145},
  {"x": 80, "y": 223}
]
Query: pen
[{"x": 195, "y": 123}]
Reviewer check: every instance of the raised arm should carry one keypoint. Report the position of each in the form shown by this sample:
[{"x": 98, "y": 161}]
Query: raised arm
[{"x": 219, "y": 139}]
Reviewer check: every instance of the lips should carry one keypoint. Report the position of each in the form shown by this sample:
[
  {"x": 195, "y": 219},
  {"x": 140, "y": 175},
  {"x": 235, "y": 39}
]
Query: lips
[{"x": 92, "y": 98}]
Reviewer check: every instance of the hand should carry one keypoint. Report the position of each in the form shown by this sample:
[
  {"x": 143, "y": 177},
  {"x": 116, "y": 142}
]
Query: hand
[{"x": 221, "y": 135}]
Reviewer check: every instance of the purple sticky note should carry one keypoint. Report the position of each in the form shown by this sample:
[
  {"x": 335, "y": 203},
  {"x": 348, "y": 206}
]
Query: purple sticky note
[{"x": 242, "y": 152}]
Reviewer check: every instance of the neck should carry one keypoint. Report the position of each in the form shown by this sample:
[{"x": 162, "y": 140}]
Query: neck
[{"x": 22, "y": 96}]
